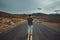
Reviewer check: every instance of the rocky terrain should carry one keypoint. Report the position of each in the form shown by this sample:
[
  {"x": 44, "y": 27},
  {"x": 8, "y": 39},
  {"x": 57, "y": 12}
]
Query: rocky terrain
[
  {"x": 8, "y": 21},
  {"x": 52, "y": 20}
]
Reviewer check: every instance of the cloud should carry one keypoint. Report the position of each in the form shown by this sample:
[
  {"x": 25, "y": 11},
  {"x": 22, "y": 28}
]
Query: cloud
[
  {"x": 2, "y": 5},
  {"x": 29, "y": 6}
]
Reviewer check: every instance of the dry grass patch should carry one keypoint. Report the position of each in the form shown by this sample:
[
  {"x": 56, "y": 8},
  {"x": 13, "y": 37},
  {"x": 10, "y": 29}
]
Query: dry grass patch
[
  {"x": 8, "y": 23},
  {"x": 57, "y": 25},
  {"x": 48, "y": 23}
]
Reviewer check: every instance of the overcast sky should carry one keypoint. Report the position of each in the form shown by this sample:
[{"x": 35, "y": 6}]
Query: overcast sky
[{"x": 29, "y": 6}]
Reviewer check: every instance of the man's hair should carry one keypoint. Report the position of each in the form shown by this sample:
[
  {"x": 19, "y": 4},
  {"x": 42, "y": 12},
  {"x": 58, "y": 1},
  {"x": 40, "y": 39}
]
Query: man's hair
[{"x": 29, "y": 15}]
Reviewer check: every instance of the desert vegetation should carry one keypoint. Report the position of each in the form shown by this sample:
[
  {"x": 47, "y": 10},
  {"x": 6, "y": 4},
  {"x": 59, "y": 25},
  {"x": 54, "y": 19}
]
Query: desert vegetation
[
  {"x": 8, "y": 21},
  {"x": 49, "y": 23},
  {"x": 52, "y": 20}
]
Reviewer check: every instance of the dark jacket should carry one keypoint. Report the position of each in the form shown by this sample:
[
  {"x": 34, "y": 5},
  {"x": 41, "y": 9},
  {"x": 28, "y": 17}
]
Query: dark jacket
[{"x": 30, "y": 21}]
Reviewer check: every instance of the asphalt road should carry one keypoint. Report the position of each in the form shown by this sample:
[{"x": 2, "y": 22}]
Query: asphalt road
[{"x": 40, "y": 32}]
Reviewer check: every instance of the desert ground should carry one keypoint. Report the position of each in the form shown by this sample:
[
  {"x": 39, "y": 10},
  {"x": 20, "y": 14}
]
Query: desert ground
[
  {"x": 9, "y": 21},
  {"x": 48, "y": 23}
]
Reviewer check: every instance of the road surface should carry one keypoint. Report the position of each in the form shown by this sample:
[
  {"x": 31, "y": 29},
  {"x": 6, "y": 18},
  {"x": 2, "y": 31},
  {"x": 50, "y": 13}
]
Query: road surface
[{"x": 40, "y": 32}]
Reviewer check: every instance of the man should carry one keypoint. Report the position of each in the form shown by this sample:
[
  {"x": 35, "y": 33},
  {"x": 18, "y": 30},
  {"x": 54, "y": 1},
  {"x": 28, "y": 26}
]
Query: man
[
  {"x": 30, "y": 20},
  {"x": 30, "y": 26}
]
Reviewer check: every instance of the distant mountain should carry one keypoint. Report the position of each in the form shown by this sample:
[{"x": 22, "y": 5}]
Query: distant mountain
[
  {"x": 38, "y": 14},
  {"x": 8, "y": 15},
  {"x": 54, "y": 14},
  {"x": 50, "y": 17},
  {"x": 3, "y": 13}
]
